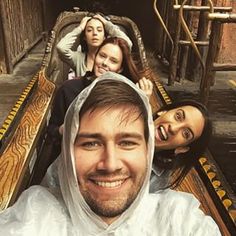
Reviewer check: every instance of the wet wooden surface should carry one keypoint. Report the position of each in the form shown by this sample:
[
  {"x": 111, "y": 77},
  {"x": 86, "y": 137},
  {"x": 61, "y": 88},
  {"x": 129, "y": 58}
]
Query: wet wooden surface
[
  {"x": 20, "y": 153},
  {"x": 12, "y": 85},
  {"x": 193, "y": 184}
]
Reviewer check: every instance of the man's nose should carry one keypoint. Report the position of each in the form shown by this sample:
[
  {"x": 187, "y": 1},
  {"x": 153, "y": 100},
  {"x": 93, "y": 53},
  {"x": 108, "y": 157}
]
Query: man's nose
[{"x": 110, "y": 161}]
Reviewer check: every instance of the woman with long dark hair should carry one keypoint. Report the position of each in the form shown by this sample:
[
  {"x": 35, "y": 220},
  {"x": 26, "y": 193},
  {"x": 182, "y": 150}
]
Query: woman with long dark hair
[
  {"x": 183, "y": 130},
  {"x": 91, "y": 32}
]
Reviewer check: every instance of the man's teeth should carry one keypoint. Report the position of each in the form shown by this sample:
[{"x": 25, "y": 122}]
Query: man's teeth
[
  {"x": 163, "y": 133},
  {"x": 109, "y": 184}
]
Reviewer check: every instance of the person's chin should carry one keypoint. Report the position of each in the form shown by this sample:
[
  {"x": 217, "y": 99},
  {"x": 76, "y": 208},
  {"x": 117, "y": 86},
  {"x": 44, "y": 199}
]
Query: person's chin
[{"x": 98, "y": 73}]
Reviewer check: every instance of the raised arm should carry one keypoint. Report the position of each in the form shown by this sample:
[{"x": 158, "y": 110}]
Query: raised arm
[
  {"x": 114, "y": 30},
  {"x": 64, "y": 47},
  {"x": 186, "y": 217}
]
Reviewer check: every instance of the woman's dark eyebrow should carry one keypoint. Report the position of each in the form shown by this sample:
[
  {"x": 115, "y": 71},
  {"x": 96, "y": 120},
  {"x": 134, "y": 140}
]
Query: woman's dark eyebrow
[
  {"x": 184, "y": 116},
  {"x": 190, "y": 130},
  {"x": 192, "y": 134},
  {"x": 183, "y": 112}
]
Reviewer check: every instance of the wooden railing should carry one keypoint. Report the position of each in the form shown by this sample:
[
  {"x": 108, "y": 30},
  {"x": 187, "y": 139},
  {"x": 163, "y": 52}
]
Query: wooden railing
[
  {"x": 22, "y": 27},
  {"x": 18, "y": 157}
]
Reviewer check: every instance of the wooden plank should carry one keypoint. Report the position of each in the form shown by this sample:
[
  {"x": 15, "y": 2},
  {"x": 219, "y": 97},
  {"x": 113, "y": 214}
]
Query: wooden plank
[
  {"x": 224, "y": 67},
  {"x": 3, "y": 68},
  {"x": 22, "y": 27},
  {"x": 6, "y": 38},
  {"x": 213, "y": 52},
  {"x": 193, "y": 184},
  {"x": 195, "y": 69},
  {"x": 174, "y": 54},
  {"x": 202, "y": 8},
  {"x": 184, "y": 51},
  {"x": 199, "y": 43},
  {"x": 223, "y": 17},
  {"x": 16, "y": 157}
]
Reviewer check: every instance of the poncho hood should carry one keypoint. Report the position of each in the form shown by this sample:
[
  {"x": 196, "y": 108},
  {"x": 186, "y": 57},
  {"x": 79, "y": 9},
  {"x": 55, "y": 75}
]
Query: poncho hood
[{"x": 83, "y": 218}]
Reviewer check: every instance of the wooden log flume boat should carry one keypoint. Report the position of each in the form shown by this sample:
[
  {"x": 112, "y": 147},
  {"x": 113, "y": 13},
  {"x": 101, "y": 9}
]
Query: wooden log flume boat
[{"x": 21, "y": 150}]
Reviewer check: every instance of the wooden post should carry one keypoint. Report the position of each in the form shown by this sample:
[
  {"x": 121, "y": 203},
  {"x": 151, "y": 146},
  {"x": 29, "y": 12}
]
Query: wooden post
[
  {"x": 6, "y": 39},
  {"x": 202, "y": 31},
  {"x": 3, "y": 69},
  {"x": 165, "y": 38},
  {"x": 160, "y": 35},
  {"x": 174, "y": 54},
  {"x": 184, "y": 54},
  {"x": 183, "y": 61},
  {"x": 213, "y": 51}
]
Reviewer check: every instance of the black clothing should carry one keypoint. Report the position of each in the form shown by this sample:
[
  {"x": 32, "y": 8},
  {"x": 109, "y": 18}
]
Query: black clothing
[
  {"x": 65, "y": 94},
  {"x": 63, "y": 98}
]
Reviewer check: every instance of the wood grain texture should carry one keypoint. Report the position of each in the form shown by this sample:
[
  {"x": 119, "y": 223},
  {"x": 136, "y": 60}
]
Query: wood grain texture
[
  {"x": 22, "y": 27},
  {"x": 192, "y": 183},
  {"x": 16, "y": 157}
]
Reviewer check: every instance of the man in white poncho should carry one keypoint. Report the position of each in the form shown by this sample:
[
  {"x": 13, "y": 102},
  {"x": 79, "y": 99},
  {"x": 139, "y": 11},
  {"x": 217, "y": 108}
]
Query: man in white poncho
[{"x": 104, "y": 172}]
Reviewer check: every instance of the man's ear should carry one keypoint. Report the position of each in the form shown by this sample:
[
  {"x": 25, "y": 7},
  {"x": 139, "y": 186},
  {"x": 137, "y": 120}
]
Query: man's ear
[{"x": 179, "y": 150}]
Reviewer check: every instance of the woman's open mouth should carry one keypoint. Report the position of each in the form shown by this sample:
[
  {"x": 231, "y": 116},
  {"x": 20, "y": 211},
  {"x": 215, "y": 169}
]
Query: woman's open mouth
[{"x": 161, "y": 133}]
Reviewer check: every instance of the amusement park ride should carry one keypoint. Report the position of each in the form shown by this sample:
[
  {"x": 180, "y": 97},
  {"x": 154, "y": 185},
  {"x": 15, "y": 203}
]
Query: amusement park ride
[{"x": 20, "y": 151}]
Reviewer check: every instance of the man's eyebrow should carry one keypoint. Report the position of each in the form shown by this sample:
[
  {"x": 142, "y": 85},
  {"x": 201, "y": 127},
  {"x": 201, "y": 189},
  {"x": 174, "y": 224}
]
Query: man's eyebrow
[
  {"x": 120, "y": 135},
  {"x": 89, "y": 135},
  {"x": 131, "y": 135}
]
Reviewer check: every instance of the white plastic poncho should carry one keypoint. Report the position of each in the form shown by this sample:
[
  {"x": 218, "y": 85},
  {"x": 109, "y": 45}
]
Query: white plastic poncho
[{"x": 64, "y": 212}]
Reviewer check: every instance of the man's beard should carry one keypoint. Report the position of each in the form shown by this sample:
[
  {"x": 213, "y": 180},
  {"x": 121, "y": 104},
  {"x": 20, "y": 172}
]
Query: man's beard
[{"x": 116, "y": 206}]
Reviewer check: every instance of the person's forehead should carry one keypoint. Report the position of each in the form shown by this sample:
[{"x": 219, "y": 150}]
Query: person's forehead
[
  {"x": 109, "y": 46},
  {"x": 118, "y": 108},
  {"x": 186, "y": 108},
  {"x": 94, "y": 23},
  {"x": 125, "y": 112},
  {"x": 112, "y": 50}
]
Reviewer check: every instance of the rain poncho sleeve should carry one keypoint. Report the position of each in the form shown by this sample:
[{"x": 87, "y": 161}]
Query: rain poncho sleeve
[
  {"x": 64, "y": 48},
  {"x": 37, "y": 212},
  {"x": 178, "y": 214}
]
